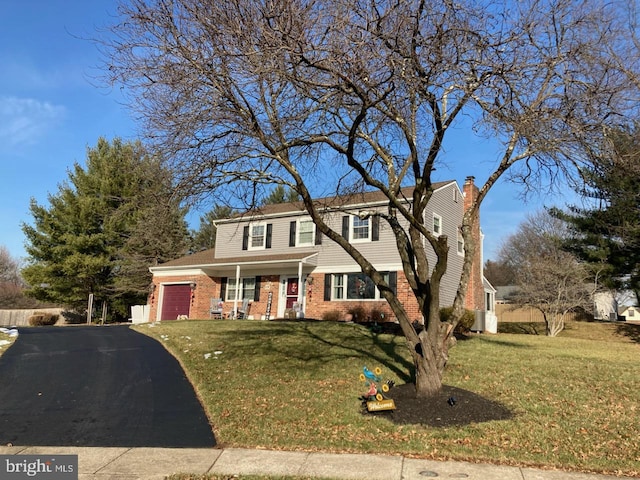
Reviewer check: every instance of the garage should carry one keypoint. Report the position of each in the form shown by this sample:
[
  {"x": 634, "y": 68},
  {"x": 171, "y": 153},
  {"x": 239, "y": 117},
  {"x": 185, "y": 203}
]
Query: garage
[{"x": 176, "y": 300}]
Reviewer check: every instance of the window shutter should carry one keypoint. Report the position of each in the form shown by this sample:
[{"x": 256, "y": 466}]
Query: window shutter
[
  {"x": 223, "y": 288},
  {"x": 393, "y": 282},
  {"x": 318, "y": 236},
  {"x": 245, "y": 237},
  {"x": 375, "y": 228},
  {"x": 345, "y": 227},
  {"x": 269, "y": 232},
  {"x": 327, "y": 287},
  {"x": 292, "y": 234},
  {"x": 256, "y": 294}
]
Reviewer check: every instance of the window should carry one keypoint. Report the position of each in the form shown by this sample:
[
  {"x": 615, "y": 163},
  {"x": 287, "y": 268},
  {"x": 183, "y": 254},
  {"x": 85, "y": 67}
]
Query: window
[
  {"x": 306, "y": 229},
  {"x": 256, "y": 236},
  {"x": 356, "y": 286},
  {"x": 359, "y": 228},
  {"x": 247, "y": 289},
  {"x": 489, "y": 301},
  {"x": 338, "y": 286},
  {"x": 460, "y": 243},
  {"x": 437, "y": 224}
]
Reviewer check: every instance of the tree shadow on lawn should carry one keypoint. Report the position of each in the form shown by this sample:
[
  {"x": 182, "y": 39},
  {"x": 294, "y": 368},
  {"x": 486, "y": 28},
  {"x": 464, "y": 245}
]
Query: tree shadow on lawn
[
  {"x": 393, "y": 360},
  {"x": 452, "y": 406},
  {"x": 630, "y": 330}
]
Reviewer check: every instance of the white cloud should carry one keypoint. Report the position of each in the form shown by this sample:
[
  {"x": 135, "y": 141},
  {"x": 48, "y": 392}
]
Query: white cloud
[{"x": 26, "y": 120}]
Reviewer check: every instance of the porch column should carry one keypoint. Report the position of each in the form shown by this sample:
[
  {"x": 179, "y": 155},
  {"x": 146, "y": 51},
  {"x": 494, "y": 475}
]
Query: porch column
[
  {"x": 235, "y": 301},
  {"x": 300, "y": 286}
]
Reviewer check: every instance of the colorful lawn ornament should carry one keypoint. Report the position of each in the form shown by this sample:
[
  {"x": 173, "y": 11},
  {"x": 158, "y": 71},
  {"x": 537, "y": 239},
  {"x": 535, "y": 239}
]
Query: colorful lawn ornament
[{"x": 375, "y": 398}]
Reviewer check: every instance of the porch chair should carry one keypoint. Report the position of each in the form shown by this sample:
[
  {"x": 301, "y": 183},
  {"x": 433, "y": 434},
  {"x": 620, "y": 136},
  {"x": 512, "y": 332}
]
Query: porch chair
[
  {"x": 215, "y": 309},
  {"x": 243, "y": 311}
]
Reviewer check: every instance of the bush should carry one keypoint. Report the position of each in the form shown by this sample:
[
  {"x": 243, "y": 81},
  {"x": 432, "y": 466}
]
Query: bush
[
  {"x": 465, "y": 323},
  {"x": 43, "y": 319},
  {"x": 376, "y": 315},
  {"x": 332, "y": 316},
  {"x": 358, "y": 313}
]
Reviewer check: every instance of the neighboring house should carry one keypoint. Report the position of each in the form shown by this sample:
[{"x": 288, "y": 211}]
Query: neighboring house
[
  {"x": 605, "y": 306},
  {"x": 280, "y": 265},
  {"x": 629, "y": 313},
  {"x": 505, "y": 294}
]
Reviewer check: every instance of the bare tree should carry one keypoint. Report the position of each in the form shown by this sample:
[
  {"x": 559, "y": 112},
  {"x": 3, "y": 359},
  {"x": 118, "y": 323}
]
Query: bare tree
[
  {"x": 9, "y": 268},
  {"x": 549, "y": 278},
  {"x": 11, "y": 284},
  {"x": 362, "y": 95}
]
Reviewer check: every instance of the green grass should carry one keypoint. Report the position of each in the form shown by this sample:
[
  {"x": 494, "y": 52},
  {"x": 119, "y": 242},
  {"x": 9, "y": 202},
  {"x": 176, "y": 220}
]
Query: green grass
[{"x": 295, "y": 386}]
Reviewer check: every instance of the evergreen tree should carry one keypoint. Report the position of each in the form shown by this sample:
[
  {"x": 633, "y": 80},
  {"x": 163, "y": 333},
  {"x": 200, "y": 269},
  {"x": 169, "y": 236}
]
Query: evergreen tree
[
  {"x": 608, "y": 235},
  {"x": 280, "y": 195},
  {"x": 103, "y": 229}
]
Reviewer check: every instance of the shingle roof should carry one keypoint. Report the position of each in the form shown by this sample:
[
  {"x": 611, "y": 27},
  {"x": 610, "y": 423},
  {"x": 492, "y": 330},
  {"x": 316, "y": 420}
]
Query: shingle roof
[
  {"x": 332, "y": 202},
  {"x": 207, "y": 258},
  {"x": 204, "y": 257}
]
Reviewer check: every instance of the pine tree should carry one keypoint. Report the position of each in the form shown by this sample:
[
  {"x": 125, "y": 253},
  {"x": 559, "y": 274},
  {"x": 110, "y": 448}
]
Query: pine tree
[
  {"x": 102, "y": 230},
  {"x": 608, "y": 234},
  {"x": 280, "y": 195}
]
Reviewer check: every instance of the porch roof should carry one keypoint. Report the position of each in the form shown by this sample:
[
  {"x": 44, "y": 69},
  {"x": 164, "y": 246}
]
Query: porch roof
[{"x": 206, "y": 260}]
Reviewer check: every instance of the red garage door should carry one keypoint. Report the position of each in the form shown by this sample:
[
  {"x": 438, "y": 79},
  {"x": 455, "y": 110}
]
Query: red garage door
[{"x": 175, "y": 301}]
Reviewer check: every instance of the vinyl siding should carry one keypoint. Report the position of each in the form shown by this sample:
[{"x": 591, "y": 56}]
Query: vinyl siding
[{"x": 332, "y": 258}]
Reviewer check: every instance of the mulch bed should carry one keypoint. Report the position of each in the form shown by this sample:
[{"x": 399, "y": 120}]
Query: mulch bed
[{"x": 451, "y": 407}]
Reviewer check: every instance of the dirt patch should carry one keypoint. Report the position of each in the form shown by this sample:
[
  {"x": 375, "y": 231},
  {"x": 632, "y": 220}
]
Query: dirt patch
[{"x": 451, "y": 407}]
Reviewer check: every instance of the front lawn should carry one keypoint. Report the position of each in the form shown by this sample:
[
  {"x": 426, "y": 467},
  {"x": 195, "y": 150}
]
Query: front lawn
[
  {"x": 5, "y": 342},
  {"x": 574, "y": 399}
]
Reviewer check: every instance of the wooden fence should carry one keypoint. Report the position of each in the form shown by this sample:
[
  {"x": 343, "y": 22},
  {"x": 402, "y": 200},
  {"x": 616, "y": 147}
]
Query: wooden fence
[
  {"x": 20, "y": 318},
  {"x": 513, "y": 313}
]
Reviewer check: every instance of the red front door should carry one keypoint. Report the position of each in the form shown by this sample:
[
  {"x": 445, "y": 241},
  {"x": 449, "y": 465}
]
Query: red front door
[
  {"x": 292, "y": 292},
  {"x": 176, "y": 300}
]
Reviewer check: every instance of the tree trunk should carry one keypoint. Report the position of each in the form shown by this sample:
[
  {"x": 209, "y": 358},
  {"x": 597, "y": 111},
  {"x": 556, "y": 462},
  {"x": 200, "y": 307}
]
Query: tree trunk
[
  {"x": 428, "y": 379},
  {"x": 430, "y": 359},
  {"x": 555, "y": 324}
]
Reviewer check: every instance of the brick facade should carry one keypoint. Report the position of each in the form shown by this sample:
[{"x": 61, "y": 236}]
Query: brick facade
[{"x": 474, "y": 299}]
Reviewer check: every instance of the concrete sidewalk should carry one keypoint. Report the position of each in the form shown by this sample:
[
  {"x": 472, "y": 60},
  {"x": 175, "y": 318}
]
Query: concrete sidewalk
[{"x": 120, "y": 463}]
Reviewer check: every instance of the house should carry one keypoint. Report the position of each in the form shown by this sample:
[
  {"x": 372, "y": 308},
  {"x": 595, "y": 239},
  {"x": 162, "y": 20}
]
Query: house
[
  {"x": 629, "y": 313},
  {"x": 505, "y": 294},
  {"x": 605, "y": 306},
  {"x": 277, "y": 263}
]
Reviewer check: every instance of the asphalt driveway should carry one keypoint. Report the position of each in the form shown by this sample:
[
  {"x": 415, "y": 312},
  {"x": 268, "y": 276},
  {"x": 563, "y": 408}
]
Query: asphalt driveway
[{"x": 98, "y": 387}]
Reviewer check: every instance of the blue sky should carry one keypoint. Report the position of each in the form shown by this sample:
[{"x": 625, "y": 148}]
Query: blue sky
[{"x": 52, "y": 109}]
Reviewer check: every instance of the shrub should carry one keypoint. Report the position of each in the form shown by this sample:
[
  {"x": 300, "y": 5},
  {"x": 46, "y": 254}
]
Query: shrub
[
  {"x": 359, "y": 313},
  {"x": 332, "y": 316},
  {"x": 376, "y": 315},
  {"x": 43, "y": 319},
  {"x": 465, "y": 323}
]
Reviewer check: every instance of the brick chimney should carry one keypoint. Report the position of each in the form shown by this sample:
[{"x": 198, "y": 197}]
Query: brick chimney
[{"x": 474, "y": 299}]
